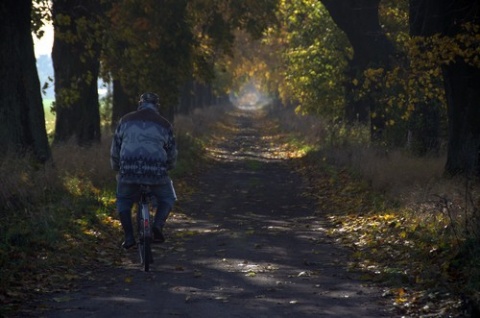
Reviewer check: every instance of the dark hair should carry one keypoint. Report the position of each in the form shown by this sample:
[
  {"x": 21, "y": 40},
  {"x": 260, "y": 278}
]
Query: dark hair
[{"x": 150, "y": 98}]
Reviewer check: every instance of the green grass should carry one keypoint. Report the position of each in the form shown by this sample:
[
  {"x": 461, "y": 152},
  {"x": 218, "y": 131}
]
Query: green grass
[
  {"x": 49, "y": 116},
  {"x": 47, "y": 104}
]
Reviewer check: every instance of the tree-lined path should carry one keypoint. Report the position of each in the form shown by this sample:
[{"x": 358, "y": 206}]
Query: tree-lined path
[
  {"x": 396, "y": 79},
  {"x": 246, "y": 243}
]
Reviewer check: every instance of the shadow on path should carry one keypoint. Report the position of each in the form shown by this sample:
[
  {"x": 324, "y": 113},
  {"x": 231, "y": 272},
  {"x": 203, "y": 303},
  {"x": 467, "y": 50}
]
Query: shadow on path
[{"x": 247, "y": 243}]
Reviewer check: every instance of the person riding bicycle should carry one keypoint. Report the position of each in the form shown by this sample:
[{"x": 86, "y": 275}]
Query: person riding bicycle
[{"x": 143, "y": 150}]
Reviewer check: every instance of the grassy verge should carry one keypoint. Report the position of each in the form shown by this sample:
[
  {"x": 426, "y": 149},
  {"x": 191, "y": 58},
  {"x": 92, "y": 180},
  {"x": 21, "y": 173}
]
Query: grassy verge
[
  {"x": 61, "y": 217},
  {"x": 55, "y": 218},
  {"x": 409, "y": 229}
]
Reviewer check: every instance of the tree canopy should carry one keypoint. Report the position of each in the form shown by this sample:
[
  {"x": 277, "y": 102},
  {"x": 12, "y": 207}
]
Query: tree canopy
[{"x": 408, "y": 69}]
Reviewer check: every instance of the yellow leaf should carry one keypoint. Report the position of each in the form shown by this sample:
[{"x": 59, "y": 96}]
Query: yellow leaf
[{"x": 401, "y": 300}]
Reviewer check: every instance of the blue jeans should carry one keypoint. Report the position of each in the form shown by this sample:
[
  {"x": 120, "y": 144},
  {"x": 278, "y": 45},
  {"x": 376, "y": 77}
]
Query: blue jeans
[{"x": 164, "y": 195}]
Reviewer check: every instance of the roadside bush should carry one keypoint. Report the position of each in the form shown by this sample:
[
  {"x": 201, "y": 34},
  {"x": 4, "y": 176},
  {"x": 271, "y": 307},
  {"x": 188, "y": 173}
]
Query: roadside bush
[{"x": 55, "y": 215}]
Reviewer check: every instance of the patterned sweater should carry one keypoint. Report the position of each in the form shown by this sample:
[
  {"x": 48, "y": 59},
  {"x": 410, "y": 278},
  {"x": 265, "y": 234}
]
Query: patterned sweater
[{"x": 143, "y": 147}]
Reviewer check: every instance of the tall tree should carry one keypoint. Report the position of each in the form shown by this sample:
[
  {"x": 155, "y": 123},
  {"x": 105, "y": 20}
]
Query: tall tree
[
  {"x": 122, "y": 103},
  {"x": 21, "y": 109},
  {"x": 147, "y": 48},
  {"x": 425, "y": 123},
  {"x": 359, "y": 19},
  {"x": 306, "y": 59},
  {"x": 454, "y": 27},
  {"x": 75, "y": 56}
]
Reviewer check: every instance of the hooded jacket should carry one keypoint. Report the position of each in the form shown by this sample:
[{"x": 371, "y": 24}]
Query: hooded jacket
[{"x": 143, "y": 147}]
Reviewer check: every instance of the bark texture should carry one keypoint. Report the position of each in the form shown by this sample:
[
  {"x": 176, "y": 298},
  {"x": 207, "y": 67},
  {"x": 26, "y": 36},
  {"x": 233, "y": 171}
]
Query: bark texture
[
  {"x": 359, "y": 19},
  {"x": 76, "y": 64},
  {"x": 22, "y": 117}
]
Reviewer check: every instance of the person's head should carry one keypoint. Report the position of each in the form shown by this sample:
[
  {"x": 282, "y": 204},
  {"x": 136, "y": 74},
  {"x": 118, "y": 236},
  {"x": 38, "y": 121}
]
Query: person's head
[{"x": 151, "y": 98}]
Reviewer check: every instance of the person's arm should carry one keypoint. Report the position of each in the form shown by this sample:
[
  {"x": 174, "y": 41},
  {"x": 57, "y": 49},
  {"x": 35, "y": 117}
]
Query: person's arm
[
  {"x": 171, "y": 149},
  {"x": 115, "y": 150}
]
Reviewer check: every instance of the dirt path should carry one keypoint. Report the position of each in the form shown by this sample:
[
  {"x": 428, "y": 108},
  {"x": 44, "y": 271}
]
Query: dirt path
[{"x": 246, "y": 244}]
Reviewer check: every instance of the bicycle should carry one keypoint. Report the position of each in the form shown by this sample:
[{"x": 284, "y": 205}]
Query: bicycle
[{"x": 144, "y": 229}]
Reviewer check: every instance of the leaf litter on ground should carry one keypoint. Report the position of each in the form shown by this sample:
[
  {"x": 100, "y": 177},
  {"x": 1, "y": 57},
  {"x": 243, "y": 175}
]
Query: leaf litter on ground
[{"x": 392, "y": 246}]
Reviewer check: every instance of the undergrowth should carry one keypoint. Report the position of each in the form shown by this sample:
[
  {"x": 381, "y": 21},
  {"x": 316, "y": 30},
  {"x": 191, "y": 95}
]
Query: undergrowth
[
  {"x": 408, "y": 227},
  {"x": 52, "y": 216},
  {"x": 60, "y": 217}
]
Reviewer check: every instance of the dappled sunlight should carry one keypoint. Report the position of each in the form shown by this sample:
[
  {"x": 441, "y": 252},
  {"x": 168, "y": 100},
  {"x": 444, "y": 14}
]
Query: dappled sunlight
[
  {"x": 240, "y": 142},
  {"x": 76, "y": 186},
  {"x": 410, "y": 249},
  {"x": 262, "y": 272},
  {"x": 122, "y": 300}
]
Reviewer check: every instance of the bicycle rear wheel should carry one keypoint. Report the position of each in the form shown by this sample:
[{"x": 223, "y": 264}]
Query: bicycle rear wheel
[{"x": 144, "y": 245}]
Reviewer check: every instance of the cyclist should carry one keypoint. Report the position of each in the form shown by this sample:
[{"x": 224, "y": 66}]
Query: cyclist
[{"x": 143, "y": 150}]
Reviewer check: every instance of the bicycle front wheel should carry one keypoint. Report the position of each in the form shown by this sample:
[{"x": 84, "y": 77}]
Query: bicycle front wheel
[
  {"x": 145, "y": 252},
  {"x": 148, "y": 255}
]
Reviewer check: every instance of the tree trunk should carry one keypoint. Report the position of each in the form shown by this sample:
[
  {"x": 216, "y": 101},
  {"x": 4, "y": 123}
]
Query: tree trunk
[
  {"x": 425, "y": 121},
  {"x": 122, "y": 103},
  {"x": 462, "y": 86},
  {"x": 359, "y": 19},
  {"x": 75, "y": 57},
  {"x": 186, "y": 98},
  {"x": 462, "y": 81},
  {"x": 21, "y": 109},
  {"x": 424, "y": 125}
]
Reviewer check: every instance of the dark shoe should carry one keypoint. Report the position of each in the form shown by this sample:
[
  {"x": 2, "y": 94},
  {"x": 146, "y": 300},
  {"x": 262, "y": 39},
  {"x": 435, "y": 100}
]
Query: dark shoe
[
  {"x": 128, "y": 244},
  {"x": 126, "y": 221},
  {"x": 158, "y": 235}
]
